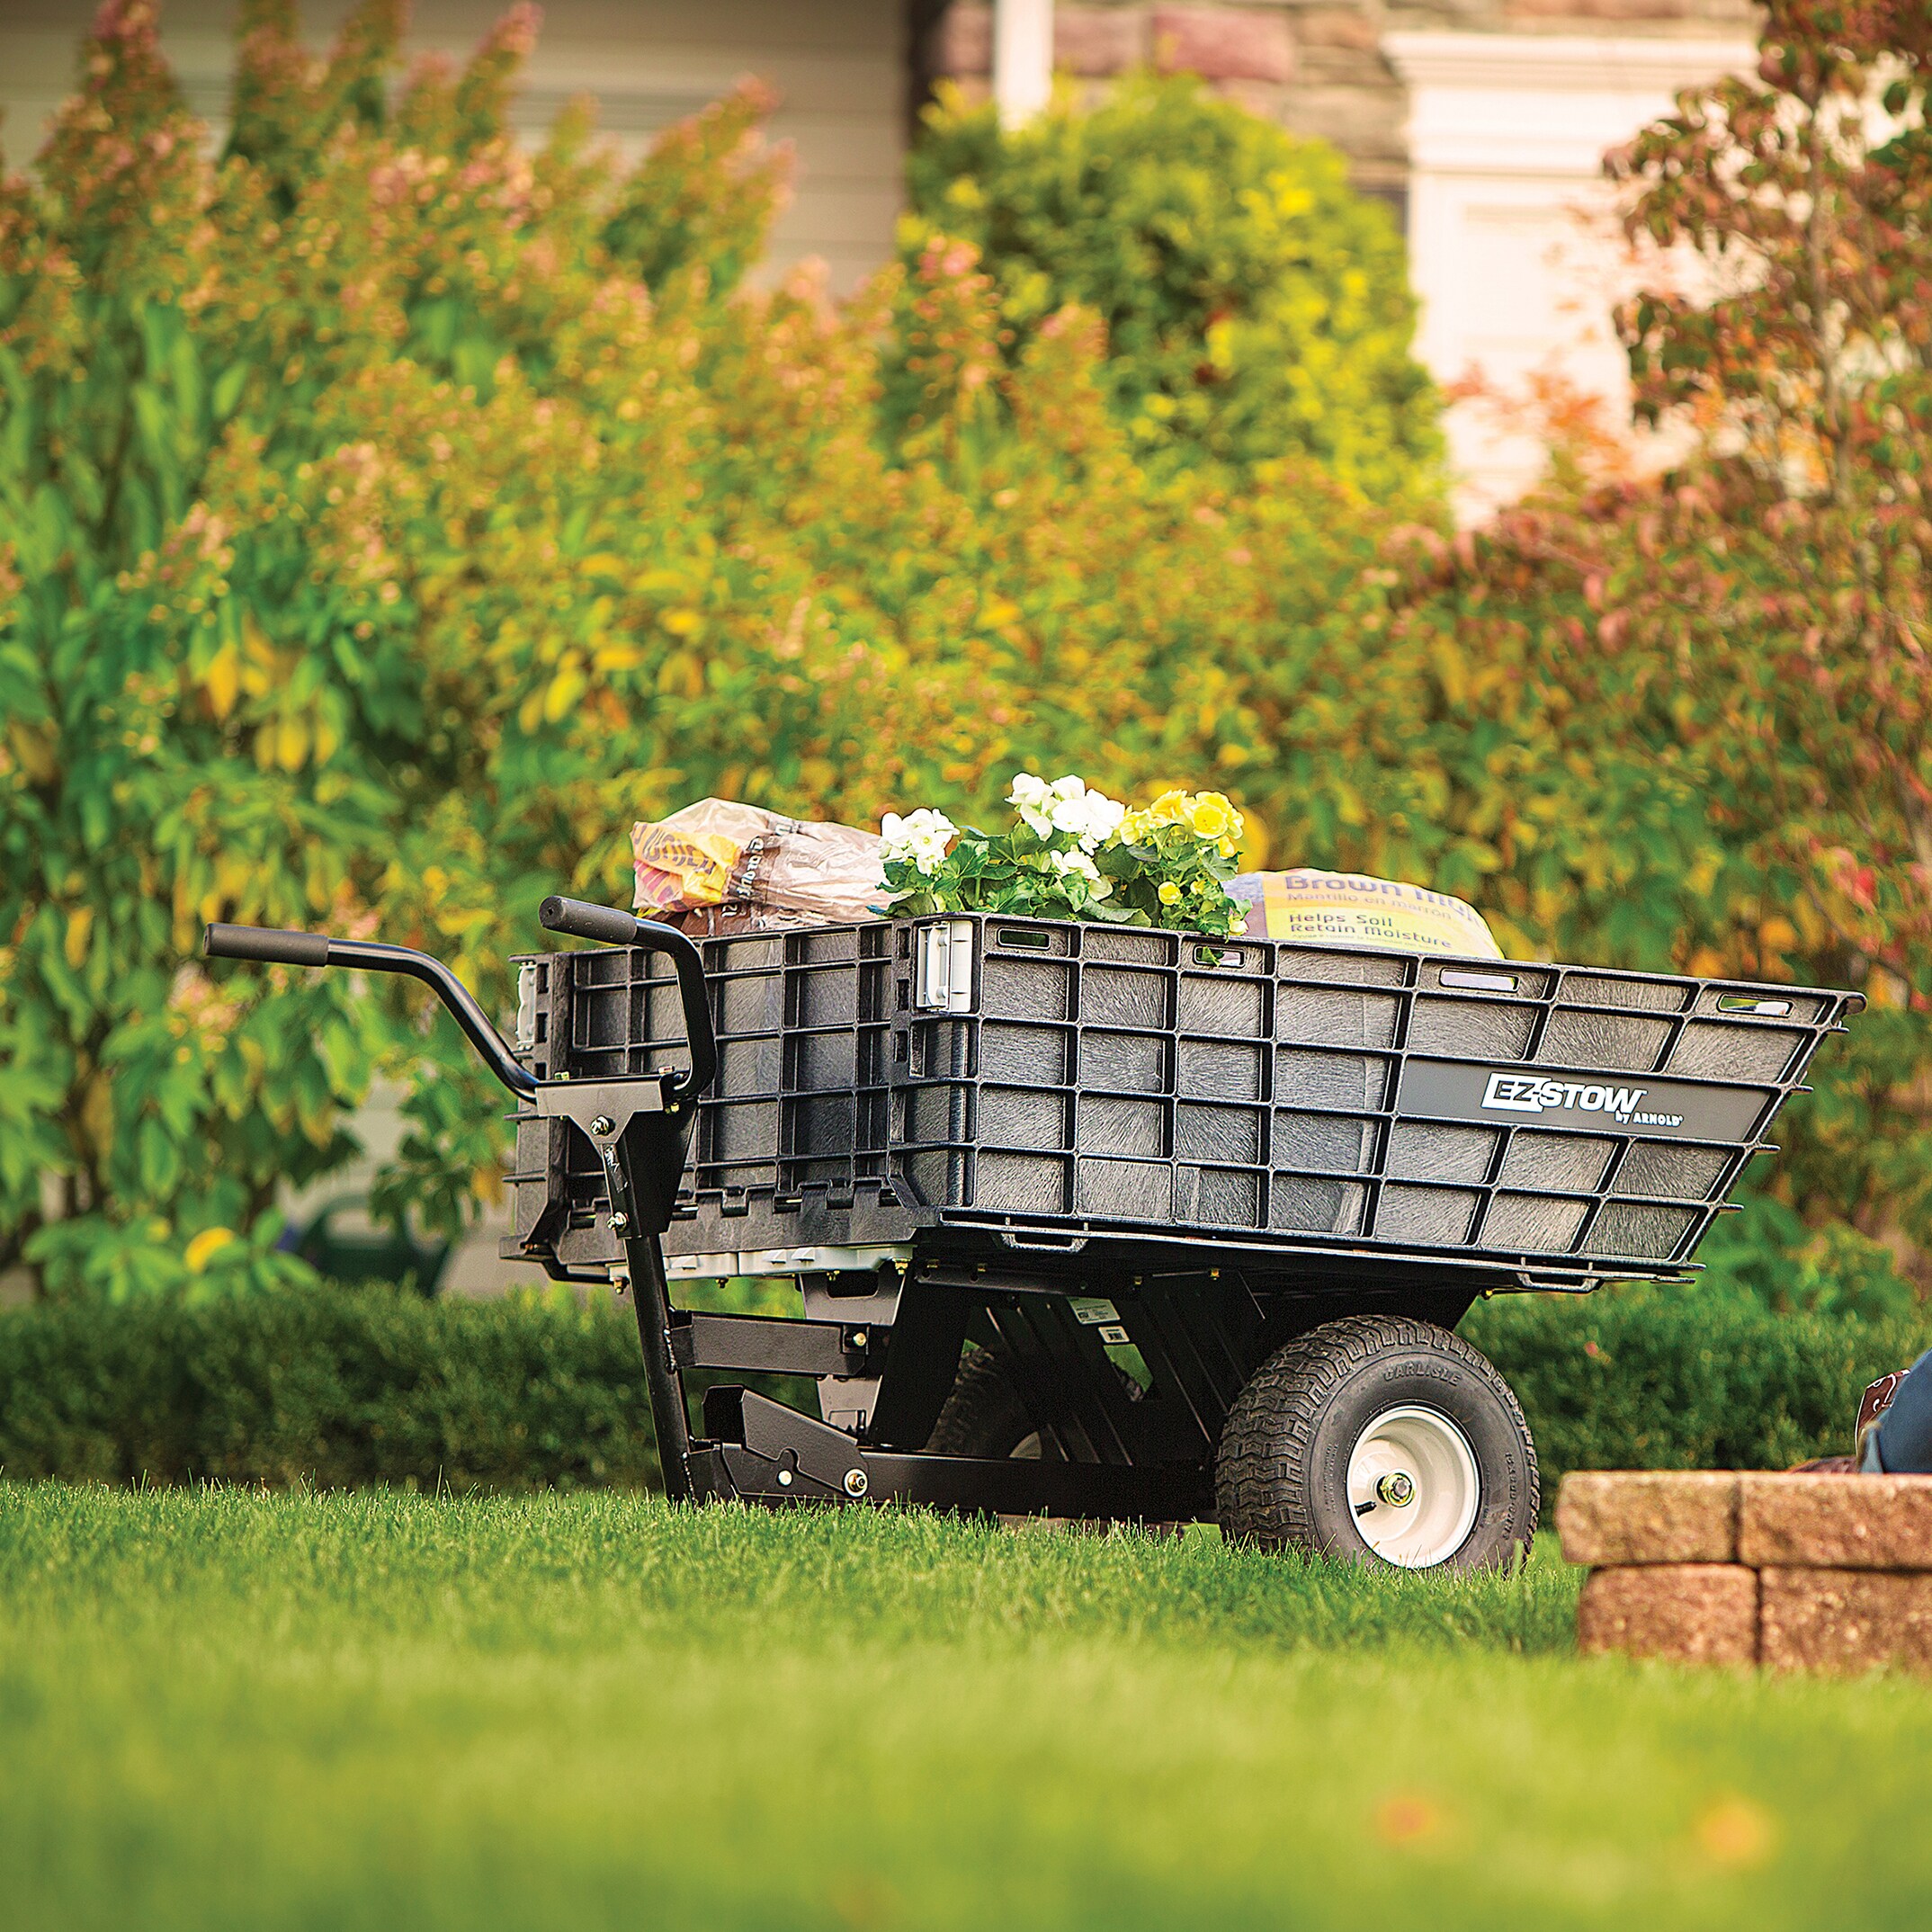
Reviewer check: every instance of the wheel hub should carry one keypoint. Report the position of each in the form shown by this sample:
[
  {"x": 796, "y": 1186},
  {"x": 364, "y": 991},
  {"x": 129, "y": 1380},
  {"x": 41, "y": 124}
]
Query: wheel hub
[{"x": 1413, "y": 1488}]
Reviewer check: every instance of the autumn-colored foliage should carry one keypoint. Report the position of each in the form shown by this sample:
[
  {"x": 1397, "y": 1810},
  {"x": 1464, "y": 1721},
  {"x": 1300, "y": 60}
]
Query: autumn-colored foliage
[
  {"x": 390, "y": 516},
  {"x": 393, "y": 516},
  {"x": 1689, "y": 720},
  {"x": 1254, "y": 305}
]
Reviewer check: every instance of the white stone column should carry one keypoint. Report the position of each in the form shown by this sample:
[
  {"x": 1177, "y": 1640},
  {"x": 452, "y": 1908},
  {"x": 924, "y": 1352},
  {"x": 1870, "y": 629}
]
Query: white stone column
[
  {"x": 1023, "y": 58},
  {"x": 1511, "y": 241}
]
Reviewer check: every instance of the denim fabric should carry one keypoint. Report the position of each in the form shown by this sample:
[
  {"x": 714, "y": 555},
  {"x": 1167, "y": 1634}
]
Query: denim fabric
[{"x": 1901, "y": 1444}]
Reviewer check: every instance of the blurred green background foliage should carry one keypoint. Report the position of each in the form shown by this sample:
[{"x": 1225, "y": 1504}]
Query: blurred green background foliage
[{"x": 389, "y": 515}]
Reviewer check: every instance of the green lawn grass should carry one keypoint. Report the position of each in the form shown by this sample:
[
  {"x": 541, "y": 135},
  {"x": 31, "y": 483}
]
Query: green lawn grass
[{"x": 223, "y": 1709}]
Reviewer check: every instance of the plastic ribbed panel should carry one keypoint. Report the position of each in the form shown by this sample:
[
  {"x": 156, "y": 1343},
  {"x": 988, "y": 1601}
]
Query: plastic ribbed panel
[{"x": 1058, "y": 1078}]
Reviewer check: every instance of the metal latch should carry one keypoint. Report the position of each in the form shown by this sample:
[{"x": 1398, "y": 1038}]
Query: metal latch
[
  {"x": 942, "y": 968},
  {"x": 526, "y": 1007}
]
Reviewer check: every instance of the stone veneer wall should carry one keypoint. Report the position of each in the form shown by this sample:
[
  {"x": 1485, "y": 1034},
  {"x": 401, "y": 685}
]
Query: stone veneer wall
[
  {"x": 1316, "y": 65},
  {"x": 1803, "y": 1572}
]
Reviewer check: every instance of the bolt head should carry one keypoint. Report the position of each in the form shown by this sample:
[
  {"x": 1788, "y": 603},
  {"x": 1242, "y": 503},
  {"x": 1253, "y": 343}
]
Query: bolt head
[
  {"x": 603, "y": 1123},
  {"x": 1398, "y": 1488},
  {"x": 856, "y": 1482},
  {"x": 784, "y": 1479},
  {"x": 858, "y": 1338},
  {"x": 620, "y": 1218}
]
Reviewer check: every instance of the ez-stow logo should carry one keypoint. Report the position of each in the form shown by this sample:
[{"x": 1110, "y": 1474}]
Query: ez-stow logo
[{"x": 1519, "y": 1092}]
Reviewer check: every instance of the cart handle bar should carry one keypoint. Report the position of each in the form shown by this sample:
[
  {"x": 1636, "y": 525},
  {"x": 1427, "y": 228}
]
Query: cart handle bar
[
  {"x": 606, "y": 925},
  {"x": 319, "y": 949},
  {"x": 557, "y": 914}
]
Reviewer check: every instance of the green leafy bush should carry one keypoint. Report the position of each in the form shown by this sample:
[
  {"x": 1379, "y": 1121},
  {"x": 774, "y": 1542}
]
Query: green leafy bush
[
  {"x": 341, "y": 1386},
  {"x": 1686, "y": 1378},
  {"x": 1254, "y": 305},
  {"x": 388, "y": 517},
  {"x": 1767, "y": 1251},
  {"x": 334, "y": 1386},
  {"x": 1685, "y": 723}
]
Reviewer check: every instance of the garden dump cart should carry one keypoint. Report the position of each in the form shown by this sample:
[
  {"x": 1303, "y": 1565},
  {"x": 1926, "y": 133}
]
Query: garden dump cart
[{"x": 1109, "y": 1222}]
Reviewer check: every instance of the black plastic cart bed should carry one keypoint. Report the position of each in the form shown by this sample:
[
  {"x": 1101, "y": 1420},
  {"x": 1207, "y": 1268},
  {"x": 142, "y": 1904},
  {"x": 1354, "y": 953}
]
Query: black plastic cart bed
[{"x": 1095, "y": 1221}]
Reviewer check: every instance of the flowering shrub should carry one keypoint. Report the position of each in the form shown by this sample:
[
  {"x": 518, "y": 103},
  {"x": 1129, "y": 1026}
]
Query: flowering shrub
[
  {"x": 1256, "y": 305},
  {"x": 1075, "y": 854},
  {"x": 1686, "y": 722},
  {"x": 390, "y": 516}
]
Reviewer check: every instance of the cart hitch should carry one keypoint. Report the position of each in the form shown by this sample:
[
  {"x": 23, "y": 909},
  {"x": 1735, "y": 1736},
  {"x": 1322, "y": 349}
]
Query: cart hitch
[{"x": 639, "y": 1127}]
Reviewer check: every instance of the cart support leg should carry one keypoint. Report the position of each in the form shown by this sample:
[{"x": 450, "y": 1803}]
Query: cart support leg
[{"x": 664, "y": 1383}]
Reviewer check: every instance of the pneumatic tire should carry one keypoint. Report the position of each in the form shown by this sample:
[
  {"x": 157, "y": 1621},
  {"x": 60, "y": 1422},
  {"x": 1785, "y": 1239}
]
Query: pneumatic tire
[
  {"x": 1382, "y": 1439},
  {"x": 984, "y": 1415}
]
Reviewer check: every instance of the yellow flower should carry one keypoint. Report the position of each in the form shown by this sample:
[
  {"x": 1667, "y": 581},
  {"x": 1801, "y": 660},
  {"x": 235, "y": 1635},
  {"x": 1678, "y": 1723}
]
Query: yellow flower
[
  {"x": 1170, "y": 893},
  {"x": 1169, "y": 809},
  {"x": 204, "y": 1246},
  {"x": 1211, "y": 816}
]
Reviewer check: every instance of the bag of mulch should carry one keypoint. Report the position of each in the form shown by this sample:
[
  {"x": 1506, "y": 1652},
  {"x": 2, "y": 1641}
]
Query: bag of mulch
[
  {"x": 721, "y": 867},
  {"x": 1314, "y": 908}
]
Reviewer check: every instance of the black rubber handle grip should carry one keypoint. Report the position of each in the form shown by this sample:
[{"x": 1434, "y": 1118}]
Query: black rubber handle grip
[
  {"x": 317, "y": 949},
  {"x": 580, "y": 919},
  {"x": 265, "y": 942}
]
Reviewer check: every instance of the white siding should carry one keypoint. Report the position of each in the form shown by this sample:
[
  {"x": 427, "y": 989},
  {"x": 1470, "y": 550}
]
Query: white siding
[
  {"x": 839, "y": 64},
  {"x": 1512, "y": 249}
]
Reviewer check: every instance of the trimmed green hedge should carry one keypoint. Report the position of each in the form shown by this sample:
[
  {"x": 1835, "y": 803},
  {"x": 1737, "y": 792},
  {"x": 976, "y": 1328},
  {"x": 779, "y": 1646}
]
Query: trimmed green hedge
[
  {"x": 337, "y": 1386},
  {"x": 1655, "y": 1378},
  {"x": 343, "y": 1386}
]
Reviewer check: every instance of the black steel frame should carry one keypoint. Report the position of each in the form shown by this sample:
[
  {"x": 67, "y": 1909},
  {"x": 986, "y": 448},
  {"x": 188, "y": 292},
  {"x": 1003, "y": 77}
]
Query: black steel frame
[
  {"x": 885, "y": 1349},
  {"x": 1109, "y": 1449}
]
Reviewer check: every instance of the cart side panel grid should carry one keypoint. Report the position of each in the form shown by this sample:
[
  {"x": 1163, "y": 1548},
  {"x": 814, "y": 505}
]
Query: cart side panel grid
[{"x": 1034, "y": 1080}]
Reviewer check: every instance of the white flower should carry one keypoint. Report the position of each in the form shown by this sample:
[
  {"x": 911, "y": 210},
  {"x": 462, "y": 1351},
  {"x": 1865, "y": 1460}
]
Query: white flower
[
  {"x": 922, "y": 837},
  {"x": 1079, "y": 863},
  {"x": 1103, "y": 816},
  {"x": 1065, "y": 806},
  {"x": 1032, "y": 798}
]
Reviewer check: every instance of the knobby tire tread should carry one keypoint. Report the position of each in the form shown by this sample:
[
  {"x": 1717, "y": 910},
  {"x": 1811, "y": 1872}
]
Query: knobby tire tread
[
  {"x": 1263, "y": 1477},
  {"x": 983, "y": 1411}
]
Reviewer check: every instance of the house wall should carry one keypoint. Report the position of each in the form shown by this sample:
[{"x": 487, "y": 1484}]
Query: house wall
[
  {"x": 1483, "y": 121},
  {"x": 839, "y": 65},
  {"x": 1318, "y": 66}
]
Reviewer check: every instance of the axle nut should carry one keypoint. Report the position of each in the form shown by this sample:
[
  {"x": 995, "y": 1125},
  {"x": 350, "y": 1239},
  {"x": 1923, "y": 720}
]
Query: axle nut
[
  {"x": 1397, "y": 1488},
  {"x": 856, "y": 1482}
]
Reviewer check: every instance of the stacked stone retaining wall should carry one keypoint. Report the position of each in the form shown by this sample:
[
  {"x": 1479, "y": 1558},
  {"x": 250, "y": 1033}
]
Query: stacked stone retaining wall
[{"x": 1805, "y": 1572}]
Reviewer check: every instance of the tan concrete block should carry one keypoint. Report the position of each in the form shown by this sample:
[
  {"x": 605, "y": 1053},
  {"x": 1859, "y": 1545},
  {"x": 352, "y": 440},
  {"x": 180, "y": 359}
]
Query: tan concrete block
[
  {"x": 1663, "y": 1515},
  {"x": 1258, "y": 97},
  {"x": 1846, "y": 1619},
  {"x": 1222, "y": 43},
  {"x": 1364, "y": 123},
  {"x": 1599, "y": 9},
  {"x": 1836, "y": 1521},
  {"x": 1686, "y": 1612}
]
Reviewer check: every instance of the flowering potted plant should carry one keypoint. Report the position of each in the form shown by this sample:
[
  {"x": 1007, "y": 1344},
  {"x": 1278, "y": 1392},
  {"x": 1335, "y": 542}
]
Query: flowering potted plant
[{"x": 1075, "y": 854}]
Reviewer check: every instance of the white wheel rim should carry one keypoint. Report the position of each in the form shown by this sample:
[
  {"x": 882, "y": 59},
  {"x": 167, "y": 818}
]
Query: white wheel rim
[{"x": 1423, "y": 1450}]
